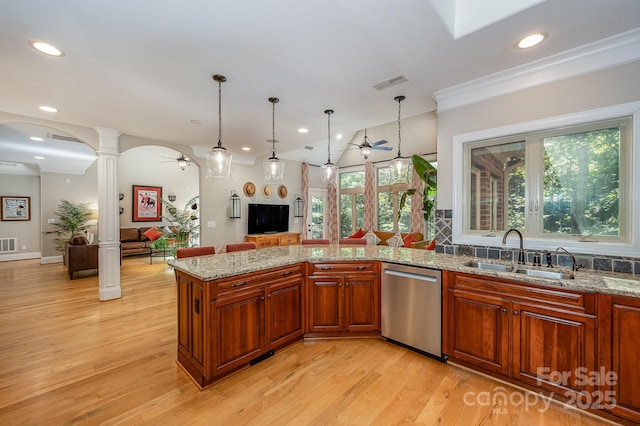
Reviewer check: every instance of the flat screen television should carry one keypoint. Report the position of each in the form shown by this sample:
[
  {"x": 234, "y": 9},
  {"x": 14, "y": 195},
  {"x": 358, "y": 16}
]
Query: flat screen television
[{"x": 268, "y": 218}]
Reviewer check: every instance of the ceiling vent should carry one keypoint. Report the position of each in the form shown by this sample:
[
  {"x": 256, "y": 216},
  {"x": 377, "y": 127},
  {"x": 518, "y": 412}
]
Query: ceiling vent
[
  {"x": 391, "y": 82},
  {"x": 63, "y": 138}
]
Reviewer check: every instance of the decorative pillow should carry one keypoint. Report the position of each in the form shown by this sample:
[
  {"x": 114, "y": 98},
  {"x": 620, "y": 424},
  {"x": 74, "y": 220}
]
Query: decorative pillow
[
  {"x": 432, "y": 245},
  {"x": 78, "y": 240},
  {"x": 358, "y": 234},
  {"x": 371, "y": 238},
  {"x": 395, "y": 240},
  {"x": 153, "y": 233},
  {"x": 408, "y": 240}
]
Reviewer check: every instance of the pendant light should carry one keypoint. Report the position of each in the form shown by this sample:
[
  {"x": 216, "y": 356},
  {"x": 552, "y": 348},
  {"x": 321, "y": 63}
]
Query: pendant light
[
  {"x": 329, "y": 170},
  {"x": 365, "y": 147},
  {"x": 273, "y": 166},
  {"x": 218, "y": 158},
  {"x": 399, "y": 166}
]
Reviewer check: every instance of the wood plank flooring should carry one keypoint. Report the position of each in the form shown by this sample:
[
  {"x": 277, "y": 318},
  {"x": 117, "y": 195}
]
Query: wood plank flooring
[{"x": 67, "y": 358}]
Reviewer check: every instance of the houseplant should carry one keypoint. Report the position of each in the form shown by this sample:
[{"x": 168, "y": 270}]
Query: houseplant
[
  {"x": 428, "y": 173},
  {"x": 70, "y": 219},
  {"x": 183, "y": 223}
]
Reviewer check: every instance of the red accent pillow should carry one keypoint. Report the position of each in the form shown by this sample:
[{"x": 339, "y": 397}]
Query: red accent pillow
[
  {"x": 358, "y": 234},
  {"x": 408, "y": 239},
  {"x": 153, "y": 233},
  {"x": 432, "y": 245}
]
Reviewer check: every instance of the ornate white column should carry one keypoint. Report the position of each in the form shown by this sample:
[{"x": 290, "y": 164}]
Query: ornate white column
[{"x": 108, "y": 215}]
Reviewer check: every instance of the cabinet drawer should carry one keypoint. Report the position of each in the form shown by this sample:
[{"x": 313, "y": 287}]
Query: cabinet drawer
[
  {"x": 548, "y": 296},
  {"x": 239, "y": 283},
  {"x": 328, "y": 268},
  {"x": 289, "y": 240},
  {"x": 281, "y": 273},
  {"x": 264, "y": 242}
]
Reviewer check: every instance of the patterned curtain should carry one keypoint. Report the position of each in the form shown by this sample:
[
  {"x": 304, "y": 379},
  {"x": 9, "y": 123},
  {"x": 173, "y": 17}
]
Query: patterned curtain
[
  {"x": 333, "y": 213},
  {"x": 369, "y": 194},
  {"x": 417, "y": 216},
  {"x": 305, "y": 199}
]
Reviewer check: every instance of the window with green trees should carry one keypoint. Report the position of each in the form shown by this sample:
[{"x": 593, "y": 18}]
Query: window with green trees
[{"x": 351, "y": 202}]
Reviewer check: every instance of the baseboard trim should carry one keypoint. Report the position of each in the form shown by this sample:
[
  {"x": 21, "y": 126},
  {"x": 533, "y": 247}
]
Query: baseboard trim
[{"x": 20, "y": 256}]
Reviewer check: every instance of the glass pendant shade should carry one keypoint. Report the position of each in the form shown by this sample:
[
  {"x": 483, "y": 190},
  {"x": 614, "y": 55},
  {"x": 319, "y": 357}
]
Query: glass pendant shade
[
  {"x": 365, "y": 150},
  {"x": 399, "y": 167},
  {"x": 219, "y": 163},
  {"x": 234, "y": 206},
  {"x": 329, "y": 170},
  {"x": 218, "y": 158},
  {"x": 273, "y": 167}
]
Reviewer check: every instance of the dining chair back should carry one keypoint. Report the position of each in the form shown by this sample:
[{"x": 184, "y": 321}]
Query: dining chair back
[
  {"x": 314, "y": 242},
  {"x": 358, "y": 241},
  {"x": 195, "y": 251},
  {"x": 247, "y": 245}
]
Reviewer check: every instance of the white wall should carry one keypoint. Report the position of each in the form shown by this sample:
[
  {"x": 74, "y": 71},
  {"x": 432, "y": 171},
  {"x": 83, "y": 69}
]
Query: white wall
[
  {"x": 27, "y": 232},
  {"x": 609, "y": 87}
]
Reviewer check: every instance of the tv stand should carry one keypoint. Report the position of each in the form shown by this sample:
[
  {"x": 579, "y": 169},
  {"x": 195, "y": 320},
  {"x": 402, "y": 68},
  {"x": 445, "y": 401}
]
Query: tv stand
[{"x": 274, "y": 240}]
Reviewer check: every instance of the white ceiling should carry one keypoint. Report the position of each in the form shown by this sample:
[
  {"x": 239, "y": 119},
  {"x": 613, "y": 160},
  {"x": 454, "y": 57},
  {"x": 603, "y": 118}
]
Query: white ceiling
[{"x": 144, "y": 67}]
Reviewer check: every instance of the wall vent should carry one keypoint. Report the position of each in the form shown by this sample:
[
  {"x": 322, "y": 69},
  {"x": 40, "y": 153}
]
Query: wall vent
[
  {"x": 63, "y": 138},
  {"x": 9, "y": 245}
]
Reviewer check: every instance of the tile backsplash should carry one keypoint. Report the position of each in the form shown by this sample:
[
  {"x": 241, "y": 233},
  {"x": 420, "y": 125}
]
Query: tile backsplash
[{"x": 444, "y": 244}]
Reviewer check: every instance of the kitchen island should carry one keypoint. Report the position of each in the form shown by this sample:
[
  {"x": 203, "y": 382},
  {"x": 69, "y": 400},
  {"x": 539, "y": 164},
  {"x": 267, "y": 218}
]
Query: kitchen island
[{"x": 235, "y": 309}]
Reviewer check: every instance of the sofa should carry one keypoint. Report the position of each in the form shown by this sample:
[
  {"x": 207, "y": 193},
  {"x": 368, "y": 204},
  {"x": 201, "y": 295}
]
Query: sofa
[
  {"x": 383, "y": 237},
  {"x": 133, "y": 241}
]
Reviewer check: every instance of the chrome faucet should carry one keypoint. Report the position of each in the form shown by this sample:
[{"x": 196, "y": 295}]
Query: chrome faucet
[
  {"x": 574, "y": 266},
  {"x": 521, "y": 260}
]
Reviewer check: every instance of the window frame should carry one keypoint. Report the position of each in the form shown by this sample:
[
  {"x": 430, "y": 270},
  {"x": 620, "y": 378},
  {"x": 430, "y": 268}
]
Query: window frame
[
  {"x": 352, "y": 192},
  {"x": 631, "y": 156}
]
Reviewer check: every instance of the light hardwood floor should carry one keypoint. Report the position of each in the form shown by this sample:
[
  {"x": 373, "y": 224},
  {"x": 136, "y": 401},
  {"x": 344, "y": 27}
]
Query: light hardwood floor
[{"x": 67, "y": 358}]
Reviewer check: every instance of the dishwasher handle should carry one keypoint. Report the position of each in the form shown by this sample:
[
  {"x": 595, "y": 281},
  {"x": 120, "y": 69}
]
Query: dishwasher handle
[{"x": 410, "y": 275}]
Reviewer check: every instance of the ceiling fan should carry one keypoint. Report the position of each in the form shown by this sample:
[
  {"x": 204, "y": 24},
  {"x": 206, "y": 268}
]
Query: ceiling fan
[
  {"x": 367, "y": 146},
  {"x": 183, "y": 161}
]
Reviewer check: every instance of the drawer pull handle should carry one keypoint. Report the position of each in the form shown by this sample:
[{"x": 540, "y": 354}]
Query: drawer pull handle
[
  {"x": 284, "y": 274},
  {"x": 360, "y": 267},
  {"x": 325, "y": 268},
  {"x": 239, "y": 284}
]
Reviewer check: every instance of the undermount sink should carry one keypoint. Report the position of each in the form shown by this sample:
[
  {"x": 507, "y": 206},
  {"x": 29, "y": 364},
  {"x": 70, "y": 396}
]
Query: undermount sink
[
  {"x": 556, "y": 275},
  {"x": 539, "y": 273},
  {"x": 490, "y": 266}
]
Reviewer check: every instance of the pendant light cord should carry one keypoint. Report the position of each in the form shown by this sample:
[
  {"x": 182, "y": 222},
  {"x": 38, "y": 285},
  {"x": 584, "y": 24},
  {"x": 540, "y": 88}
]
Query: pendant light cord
[
  {"x": 329, "y": 112},
  {"x": 273, "y": 127},
  {"x": 399, "y": 99},
  {"x": 219, "y": 113}
]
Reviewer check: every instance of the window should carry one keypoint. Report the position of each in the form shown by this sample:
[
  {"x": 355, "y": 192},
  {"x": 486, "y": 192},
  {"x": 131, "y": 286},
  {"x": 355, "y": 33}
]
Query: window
[
  {"x": 571, "y": 185},
  {"x": 388, "y": 204},
  {"x": 351, "y": 202}
]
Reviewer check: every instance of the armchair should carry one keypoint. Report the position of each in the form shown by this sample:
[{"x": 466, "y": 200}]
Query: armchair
[{"x": 80, "y": 257}]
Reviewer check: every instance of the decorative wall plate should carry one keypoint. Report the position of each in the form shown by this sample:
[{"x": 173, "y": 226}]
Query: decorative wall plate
[
  {"x": 282, "y": 191},
  {"x": 267, "y": 191},
  {"x": 249, "y": 189}
]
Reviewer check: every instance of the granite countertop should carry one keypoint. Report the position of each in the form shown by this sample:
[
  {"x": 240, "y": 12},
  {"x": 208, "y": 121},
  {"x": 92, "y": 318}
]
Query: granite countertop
[{"x": 208, "y": 268}]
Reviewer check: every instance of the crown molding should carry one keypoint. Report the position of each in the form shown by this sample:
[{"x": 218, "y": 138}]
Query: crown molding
[{"x": 602, "y": 54}]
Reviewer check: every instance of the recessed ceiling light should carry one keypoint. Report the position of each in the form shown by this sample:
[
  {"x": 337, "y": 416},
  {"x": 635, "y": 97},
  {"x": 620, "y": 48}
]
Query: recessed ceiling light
[
  {"x": 37, "y": 157},
  {"x": 246, "y": 148},
  {"x": 48, "y": 108},
  {"x": 303, "y": 130},
  {"x": 531, "y": 40},
  {"x": 46, "y": 48},
  {"x": 339, "y": 136},
  {"x": 35, "y": 138}
]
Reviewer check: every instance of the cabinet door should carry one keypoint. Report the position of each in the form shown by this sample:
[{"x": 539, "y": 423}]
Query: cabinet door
[
  {"x": 289, "y": 239},
  {"x": 284, "y": 312},
  {"x": 362, "y": 303},
  {"x": 190, "y": 318},
  {"x": 553, "y": 349},
  {"x": 325, "y": 304},
  {"x": 625, "y": 333},
  {"x": 479, "y": 330},
  {"x": 239, "y": 329}
]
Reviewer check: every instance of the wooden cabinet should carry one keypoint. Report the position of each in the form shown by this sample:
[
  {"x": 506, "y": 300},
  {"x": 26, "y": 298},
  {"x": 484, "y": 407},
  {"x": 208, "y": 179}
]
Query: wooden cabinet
[
  {"x": 225, "y": 324},
  {"x": 274, "y": 240},
  {"x": 526, "y": 332},
  {"x": 344, "y": 297},
  {"x": 619, "y": 338}
]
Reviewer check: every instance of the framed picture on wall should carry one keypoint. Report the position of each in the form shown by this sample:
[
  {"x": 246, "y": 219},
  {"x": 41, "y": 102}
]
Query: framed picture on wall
[
  {"x": 16, "y": 208},
  {"x": 147, "y": 205}
]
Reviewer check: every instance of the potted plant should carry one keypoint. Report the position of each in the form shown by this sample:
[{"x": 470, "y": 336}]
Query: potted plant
[
  {"x": 184, "y": 223},
  {"x": 428, "y": 173},
  {"x": 70, "y": 219}
]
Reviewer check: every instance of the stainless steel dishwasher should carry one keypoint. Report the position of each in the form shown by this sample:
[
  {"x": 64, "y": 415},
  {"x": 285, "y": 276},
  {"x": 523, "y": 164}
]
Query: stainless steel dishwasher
[{"x": 412, "y": 308}]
